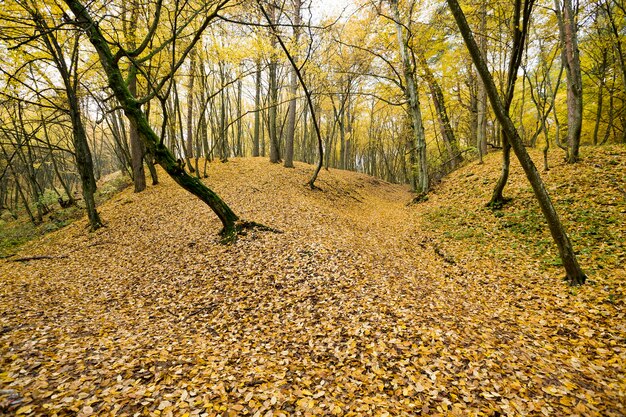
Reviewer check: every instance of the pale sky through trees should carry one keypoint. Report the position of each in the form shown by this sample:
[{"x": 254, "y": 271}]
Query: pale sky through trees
[{"x": 325, "y": 8}]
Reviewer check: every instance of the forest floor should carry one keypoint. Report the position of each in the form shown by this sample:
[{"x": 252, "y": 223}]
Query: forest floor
[{"x": 364, "y": 305}]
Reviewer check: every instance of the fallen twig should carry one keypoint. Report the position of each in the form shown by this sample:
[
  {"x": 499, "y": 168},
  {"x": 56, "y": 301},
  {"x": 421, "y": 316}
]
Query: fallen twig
[{"x": 37, "y": 258}]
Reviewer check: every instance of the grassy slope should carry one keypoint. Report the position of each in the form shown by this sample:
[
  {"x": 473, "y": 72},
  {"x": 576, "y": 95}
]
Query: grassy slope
[{"x": 363, "y": 305}]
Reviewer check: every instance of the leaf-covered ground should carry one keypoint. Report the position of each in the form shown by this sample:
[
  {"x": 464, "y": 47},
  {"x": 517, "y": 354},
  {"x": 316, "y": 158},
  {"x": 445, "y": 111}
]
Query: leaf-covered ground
[{"x": 363, "y": 306}]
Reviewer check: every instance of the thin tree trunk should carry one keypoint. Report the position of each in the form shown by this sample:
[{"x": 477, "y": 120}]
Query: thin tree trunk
[
  {"x": 273, "y": 94},
  {"x": 223, "y": 135},
  {"x": 190, "y": 92},
  {"x": 84, "y": 162},
  {"x": 18, "y": 188},
  {"x": 293, "y": 89},
  {"x": 521, "y": 22},
  {"x": 66, "y": 188},
  {"x": 239, "y": 126},
  {"x": 570, "y": 55},
  {"x": 257, "y": 110},
  {"x": 454, "y": 157}
]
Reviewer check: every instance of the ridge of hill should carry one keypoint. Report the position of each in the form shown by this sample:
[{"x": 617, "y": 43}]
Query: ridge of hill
[{"x": 363, "y": 305}]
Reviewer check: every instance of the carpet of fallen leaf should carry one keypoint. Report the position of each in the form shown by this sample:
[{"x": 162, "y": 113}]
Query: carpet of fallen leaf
[{"x": 364, "y": 305}]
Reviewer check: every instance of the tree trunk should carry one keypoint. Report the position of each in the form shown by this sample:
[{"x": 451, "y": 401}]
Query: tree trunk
[
  {"x": 84, "y": 162},
  {"x": 575, "y": 274},
  {"x": 454, "y": 157},
  {"x": 419, "y": 167},
  {"x": 18, "y": 188},
  {"x": 136, "y": 149},
  {"x": 293, "y": 89},
  {"x": 190, "y": 136},
  {"x": 70, "y": 198},
  {"x": 239, "y": 126},
  {"x": 596, "y": 127},
  {"x": 272, "y": 114},
  {"x": 570, "y": 56},
  {"x": 273, "y": 94},
  {"x": 257, "y": 108},
  {"x": 341, "y": 121},
  {"x": 224, "y": 150}
]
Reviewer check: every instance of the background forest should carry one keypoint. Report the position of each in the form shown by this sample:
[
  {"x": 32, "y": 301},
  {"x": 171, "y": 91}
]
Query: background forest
[{"x": 392, "y": 89}]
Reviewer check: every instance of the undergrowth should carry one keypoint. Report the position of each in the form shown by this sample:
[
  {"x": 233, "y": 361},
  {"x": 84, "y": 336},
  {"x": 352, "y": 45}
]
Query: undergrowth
[{"x": 16, "y": 232}]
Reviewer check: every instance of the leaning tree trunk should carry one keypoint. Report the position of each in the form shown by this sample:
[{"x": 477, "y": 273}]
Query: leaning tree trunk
[
  {"x": 133, "y": 111},
  {"x": 575, "y": 274}
]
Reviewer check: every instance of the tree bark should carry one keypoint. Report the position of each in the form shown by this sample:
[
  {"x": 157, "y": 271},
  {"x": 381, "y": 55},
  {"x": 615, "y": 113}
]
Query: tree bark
[
  {"x": 70, "y": 198},
  {"x": 454, "y": 157},
  {"x": 84, "y": 162},
  {"x": 18, "y": 188},
  {"x": 136, "y": 150},
  {"x": 273, "y": 93}
]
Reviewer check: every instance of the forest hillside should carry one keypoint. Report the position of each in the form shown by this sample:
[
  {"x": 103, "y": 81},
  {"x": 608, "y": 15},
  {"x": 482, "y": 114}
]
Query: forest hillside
[{"x": 363, "y": 304}]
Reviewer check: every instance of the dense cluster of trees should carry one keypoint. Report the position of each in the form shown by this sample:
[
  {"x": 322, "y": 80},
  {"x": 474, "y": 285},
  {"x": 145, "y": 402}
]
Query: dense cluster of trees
[{"x": 389, "y": 88}]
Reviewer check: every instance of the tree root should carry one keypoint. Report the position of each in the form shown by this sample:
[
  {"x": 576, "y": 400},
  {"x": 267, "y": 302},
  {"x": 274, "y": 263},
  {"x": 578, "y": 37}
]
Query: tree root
[
  {"x": 420, "y": 198},
  {"x": 241, "y": 228},
  {"x": 499, "y": 203}
]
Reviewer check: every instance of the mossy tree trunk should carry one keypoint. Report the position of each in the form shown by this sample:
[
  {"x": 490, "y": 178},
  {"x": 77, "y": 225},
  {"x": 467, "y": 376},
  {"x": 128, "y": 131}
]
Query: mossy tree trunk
[
  {"x": 136, "y": 148},
  {"x": 133, "y": 111}
]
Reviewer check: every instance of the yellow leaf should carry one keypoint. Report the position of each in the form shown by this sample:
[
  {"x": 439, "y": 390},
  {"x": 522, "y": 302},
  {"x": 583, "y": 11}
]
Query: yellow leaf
[{"x": 24, "y": 410}]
